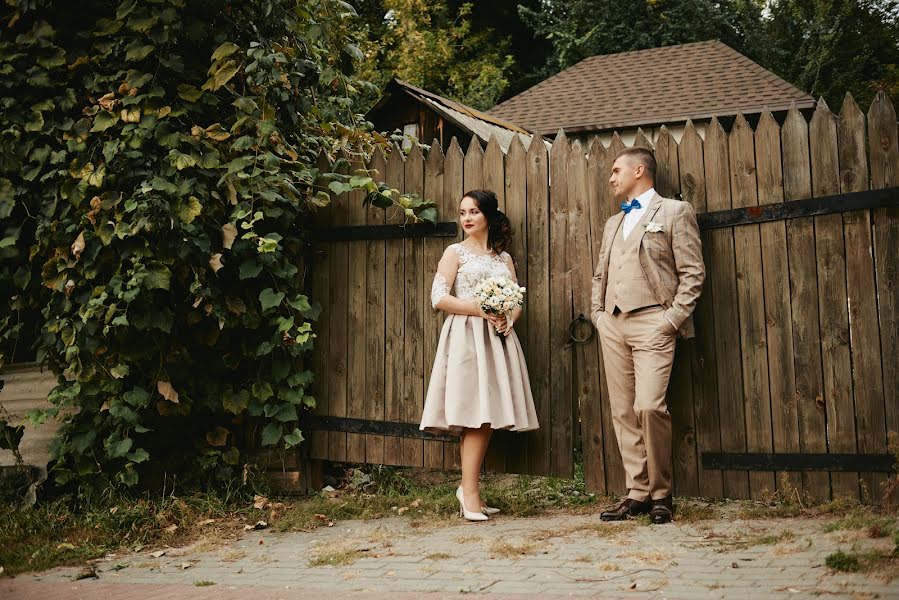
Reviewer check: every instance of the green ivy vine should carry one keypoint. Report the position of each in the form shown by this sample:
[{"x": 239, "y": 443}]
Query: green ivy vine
[{"x": 158, "y": 183}]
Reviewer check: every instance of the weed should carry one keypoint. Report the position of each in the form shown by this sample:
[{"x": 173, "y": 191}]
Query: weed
[
  {"x": 438, "y": 556},
  {"x": 504, "y": 549},
  {"x": 327, "y": 556},
  {"x": 203, "y": 583}
]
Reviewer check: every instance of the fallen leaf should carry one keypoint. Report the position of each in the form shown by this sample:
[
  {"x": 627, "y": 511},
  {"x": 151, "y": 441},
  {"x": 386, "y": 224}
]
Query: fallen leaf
[
  {"x": 113, "y": 510},
  {"x": 206, "y": 522},
  {"x": 119, "y": 567},
  {"x": 401, "y": 510},
  {"x": 167, "y": 391},
  {"x": 70, "y": 287},
  {"x": 229, "y": 233},
  {"x": 65, "y": 546},
  {"x": 259, "y": 502},
  {"x": 215, "y": 262},
  {"x": 185, "y": 566},
  {"x": 390, "y": 574},
  {"x": 78, "y": 246},
  {"x": 171, "y": 529},
  {"x": 158, "y": 553},
  {"x": 415, "y": 503}
]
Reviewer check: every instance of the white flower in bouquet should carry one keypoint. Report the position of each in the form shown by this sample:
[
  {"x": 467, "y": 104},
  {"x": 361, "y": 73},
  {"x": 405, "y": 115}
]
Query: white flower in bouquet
[{"x": 499, "y": 295}]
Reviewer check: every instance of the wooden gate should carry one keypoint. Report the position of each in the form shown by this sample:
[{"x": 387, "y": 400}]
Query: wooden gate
[{"x": 793, "y": 376}]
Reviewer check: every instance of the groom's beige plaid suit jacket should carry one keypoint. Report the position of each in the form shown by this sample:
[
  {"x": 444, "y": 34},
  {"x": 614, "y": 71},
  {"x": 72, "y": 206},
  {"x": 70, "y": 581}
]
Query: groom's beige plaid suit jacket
[{"x": 671, "y": 260}]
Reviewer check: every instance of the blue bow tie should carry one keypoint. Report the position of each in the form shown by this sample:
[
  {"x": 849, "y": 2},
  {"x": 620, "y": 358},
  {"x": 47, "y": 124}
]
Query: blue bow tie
[{"x": 628, "y": 207}]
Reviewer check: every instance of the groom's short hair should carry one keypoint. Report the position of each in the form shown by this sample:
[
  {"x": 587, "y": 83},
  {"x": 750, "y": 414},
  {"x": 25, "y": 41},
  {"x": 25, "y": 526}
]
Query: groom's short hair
[{"x": 642, "y": 155}]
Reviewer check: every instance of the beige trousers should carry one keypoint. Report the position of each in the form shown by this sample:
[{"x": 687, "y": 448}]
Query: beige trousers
[{"x": 638, "y": 352}]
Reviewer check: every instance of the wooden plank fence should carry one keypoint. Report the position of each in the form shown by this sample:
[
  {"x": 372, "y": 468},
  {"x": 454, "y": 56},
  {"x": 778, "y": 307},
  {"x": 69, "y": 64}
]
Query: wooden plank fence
[{"x": 792, "y": 379}]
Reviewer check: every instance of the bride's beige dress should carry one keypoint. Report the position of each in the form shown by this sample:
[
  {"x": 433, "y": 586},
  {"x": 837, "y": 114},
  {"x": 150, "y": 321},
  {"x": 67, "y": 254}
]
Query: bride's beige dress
[{"x": 478, "y": 377}]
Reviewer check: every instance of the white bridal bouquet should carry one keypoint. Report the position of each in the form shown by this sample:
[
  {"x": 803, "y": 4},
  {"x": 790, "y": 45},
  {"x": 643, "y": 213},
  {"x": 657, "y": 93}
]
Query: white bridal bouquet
[{"x": 499, "y": 296}]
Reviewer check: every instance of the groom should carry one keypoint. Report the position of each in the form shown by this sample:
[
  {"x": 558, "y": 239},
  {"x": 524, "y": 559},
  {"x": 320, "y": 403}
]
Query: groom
[{"x": 649, "y": 276}]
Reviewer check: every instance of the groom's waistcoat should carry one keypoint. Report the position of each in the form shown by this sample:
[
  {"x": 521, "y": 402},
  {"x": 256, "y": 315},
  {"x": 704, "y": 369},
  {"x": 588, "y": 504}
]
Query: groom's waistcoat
[{"x": 627, "y": 287}]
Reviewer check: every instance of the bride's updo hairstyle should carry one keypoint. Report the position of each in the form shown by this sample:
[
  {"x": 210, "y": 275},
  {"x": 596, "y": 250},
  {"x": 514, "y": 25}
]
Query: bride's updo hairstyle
[{"x": 499, "y": 229}]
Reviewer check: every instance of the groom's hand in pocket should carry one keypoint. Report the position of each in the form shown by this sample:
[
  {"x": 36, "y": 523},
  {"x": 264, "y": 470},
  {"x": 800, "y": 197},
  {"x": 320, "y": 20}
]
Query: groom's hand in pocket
[{"x": 665, "y": 326}]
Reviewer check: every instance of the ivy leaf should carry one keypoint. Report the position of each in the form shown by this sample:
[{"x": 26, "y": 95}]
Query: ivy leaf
[
  {"x": 238, "y": 164},
  {"x": 104, "y": 120},
  {"x": 245, "y": 105},
  {"x": 225, "y": 50},
  {"x": 270, "y": 299},
  {"x": 190, "y": 210},
  {"x": 217, "y": 132},
  {"x": 429, "y": 215},
  {"x": 215, "y": 262},
  {"x": 125, "y": 9},
  {"x": 294, "y": 438},
  {"x": 236, "y": 402},
  {"x": 130, "y": 114},
  {"x": 120, "y": 411},
  {"x": 7, "y": 197},
  {"x": 180, "y": 160},
  {"x": 262, "y": 390},
  {"x": 217, "y": 437},
  {"x": 378, "y": 199},
  {"x": 167, "y": 391},
  {"x": 339, "y": 187},
  {"x": 118, "y": 448},
  {"x": 137, "y": 51},
  {"x": 229, "y": 233},
  {"x": 271, "y": 434},
  {"x": 300, "y": 303},
  {"x": 138, "y": 455},
  {"x": 222, "y": 75},
  {"x": 158, "y": 277},
  {"x": 119, "y": 371},
  {"x": 249, "y": 269},
  {"x": 189, "y": 92},
  {"x": 138, "y": 397}
]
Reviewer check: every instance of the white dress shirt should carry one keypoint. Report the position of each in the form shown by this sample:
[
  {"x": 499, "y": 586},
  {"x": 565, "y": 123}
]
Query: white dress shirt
[{"x": 632, "y": 218}]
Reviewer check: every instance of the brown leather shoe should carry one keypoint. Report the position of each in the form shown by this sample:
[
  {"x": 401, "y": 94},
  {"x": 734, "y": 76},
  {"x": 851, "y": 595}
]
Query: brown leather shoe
[
  {"x": 627, "y": 509},
  {"x": 662, "y": 510}
]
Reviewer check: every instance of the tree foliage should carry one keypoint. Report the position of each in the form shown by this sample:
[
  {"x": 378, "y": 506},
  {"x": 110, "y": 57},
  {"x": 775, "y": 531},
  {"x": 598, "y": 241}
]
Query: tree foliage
[
  {"x": 582, "y": 28},
  {"x": 158, "y": 181},
  {"x": 828, "y": 48},
  {"x": 437, "y": 46},
  {"x": 824, "y": 47}
]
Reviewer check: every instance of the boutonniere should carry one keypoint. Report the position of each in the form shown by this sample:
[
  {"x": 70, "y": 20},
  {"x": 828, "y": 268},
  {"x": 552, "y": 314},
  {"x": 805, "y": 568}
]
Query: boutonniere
[{"x": 652, "y": 227}]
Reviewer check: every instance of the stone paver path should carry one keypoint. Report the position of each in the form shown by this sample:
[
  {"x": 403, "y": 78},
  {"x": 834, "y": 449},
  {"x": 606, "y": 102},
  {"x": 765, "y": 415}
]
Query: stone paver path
[{"x": 561, "y": 555}]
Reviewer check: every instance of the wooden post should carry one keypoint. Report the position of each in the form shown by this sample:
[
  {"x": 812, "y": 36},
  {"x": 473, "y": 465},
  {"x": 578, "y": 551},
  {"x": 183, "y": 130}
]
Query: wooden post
[
  {"x": 433, "y": 319},
  {"x": 832, "y": 300},
  {"x": 560, "y": 351},
  {"x": 704, "y": 359},
  {"x": 723, "y": 278},
  {"x": 804, "y": 302},
  {"x": 538, "y": 301},
  {"x": 375, "y": 319},
  {"x": 778, "y": 311}
]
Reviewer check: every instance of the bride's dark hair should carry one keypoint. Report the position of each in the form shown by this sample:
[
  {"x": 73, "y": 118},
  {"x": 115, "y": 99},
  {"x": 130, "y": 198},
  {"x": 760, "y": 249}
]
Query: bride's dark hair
[{"x": 499, "y": 229}]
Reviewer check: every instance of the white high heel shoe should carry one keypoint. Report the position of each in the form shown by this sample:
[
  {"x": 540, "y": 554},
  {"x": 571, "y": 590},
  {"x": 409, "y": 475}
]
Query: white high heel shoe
[
  {"x": 469, "y": 515},
  {"x": 489, "y": 511}
]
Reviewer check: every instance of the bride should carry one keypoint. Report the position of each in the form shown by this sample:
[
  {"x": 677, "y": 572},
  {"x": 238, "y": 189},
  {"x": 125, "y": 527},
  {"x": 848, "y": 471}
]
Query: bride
[{"x": 479, "y": 381}]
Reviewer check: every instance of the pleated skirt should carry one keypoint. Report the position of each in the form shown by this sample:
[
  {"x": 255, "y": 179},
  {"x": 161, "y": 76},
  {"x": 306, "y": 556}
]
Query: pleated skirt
[{"x": 478, "y": 378}]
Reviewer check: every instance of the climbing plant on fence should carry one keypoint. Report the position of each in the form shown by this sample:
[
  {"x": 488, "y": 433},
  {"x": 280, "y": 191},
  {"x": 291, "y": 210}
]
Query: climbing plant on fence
[{"x": 157, "y": 181}]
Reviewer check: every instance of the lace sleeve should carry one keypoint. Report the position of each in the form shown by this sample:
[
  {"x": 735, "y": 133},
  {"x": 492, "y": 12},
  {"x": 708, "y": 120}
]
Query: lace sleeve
[
  {"x": 510, "y": 264},
  {"x": 445, "y": 276}
]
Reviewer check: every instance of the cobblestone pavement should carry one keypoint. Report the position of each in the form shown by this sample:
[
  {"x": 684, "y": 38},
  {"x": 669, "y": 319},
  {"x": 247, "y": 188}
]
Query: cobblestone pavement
[{"x": 550, "y": 557}]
